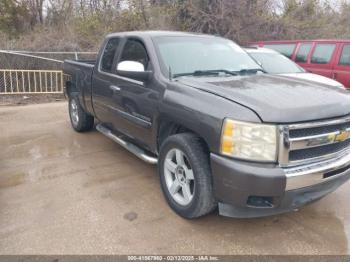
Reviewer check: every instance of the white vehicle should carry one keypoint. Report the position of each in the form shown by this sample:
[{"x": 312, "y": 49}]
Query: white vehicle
[{"x": 275, "y": 63}]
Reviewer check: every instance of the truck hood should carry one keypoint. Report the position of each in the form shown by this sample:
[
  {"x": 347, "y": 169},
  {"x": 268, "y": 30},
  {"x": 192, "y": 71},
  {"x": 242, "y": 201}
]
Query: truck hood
[
  {"x": 277, "y": 98},
  {"x": 316, "y": 78}
]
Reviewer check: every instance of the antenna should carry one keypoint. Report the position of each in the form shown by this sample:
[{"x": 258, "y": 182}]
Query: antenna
[{"x": 170, "y": 74}]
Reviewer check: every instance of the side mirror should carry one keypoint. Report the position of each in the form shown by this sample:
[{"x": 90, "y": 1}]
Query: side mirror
[{"x": 134, "y": 70}]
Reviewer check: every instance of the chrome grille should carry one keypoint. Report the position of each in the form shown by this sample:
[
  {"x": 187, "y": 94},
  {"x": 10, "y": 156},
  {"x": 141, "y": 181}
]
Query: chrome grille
[{"x": 313, "y": 141}]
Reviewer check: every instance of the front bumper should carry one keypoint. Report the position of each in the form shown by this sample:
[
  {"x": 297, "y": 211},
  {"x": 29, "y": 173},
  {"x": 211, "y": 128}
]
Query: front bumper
[{"x": 286, "y": 189}]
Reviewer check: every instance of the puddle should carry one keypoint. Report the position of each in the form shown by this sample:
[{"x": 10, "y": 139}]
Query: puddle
[
  {"x": 337, "y": 204},
  {"x": 304, "y": 232}
]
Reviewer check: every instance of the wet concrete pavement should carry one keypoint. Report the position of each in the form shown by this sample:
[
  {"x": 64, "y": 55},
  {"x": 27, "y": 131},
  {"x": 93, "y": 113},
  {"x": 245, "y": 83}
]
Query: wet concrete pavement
[{"x": 67, "y": 193}]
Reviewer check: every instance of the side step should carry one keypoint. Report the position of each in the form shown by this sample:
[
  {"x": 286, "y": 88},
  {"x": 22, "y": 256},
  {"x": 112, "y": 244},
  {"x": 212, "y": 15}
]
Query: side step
[{"x": 139, "y": 152}]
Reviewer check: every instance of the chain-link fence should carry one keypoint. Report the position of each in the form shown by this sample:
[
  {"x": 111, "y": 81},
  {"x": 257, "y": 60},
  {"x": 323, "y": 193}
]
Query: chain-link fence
[{"x": 35, "y": 72}]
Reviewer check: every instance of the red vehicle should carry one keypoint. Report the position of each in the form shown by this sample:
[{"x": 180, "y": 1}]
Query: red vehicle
[{"x": 330, "y": 58}]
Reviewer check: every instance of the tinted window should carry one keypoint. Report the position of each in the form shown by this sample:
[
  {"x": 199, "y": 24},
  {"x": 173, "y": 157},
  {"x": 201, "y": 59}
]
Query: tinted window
[
  {"x": 276, "y": 63},
  {"x": 345, "y": 56},
  {"x": 134, "y": 50},
  {"x": 303, "y": 52},
  {"x": 108, "y": 54},
  {"x": 322, "y": 54},
  {"x": 284, "y": 49}
]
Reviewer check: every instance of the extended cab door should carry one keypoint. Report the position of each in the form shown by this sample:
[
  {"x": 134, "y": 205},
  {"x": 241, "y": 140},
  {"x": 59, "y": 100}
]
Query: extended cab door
[
  {"x": 103, "y": 90},
  {"x": 322, "y": 59},
  {"x": 135, "y": 102},
  {"x": 342, "y": 66}
]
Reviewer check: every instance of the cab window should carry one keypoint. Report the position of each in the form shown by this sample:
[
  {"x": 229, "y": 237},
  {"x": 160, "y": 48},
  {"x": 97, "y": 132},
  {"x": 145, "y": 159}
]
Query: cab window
[
  {"x": 322, "y": 54},
  {"x": 134, "y": 50},
  {"x": 108, "y": 54},
  {"x": 345, "y": 56},
  {"x": 284, "y": 49},
  {"x": 303, "y": 52}
]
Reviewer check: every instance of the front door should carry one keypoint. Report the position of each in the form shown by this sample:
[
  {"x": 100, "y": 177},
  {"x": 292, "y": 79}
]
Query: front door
[{"x": 136, "y": 101}]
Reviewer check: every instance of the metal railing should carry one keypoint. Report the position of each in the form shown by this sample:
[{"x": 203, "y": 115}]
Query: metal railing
[
  {"x": 31, "y": 81},
  {"x": 30, "y": 72}
]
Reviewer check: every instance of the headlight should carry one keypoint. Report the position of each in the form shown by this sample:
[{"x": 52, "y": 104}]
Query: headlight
[{"x": 249, "y": 141}]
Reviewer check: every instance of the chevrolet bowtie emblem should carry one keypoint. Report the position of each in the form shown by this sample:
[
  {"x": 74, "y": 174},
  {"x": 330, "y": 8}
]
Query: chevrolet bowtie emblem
[{"x": 344, "y": 135}]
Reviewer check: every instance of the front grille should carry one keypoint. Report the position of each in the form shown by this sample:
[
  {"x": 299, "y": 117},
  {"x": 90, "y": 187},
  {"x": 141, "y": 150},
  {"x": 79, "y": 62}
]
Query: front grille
[
  {"x": 315, "y": 152},
  {"x": 310, "y": 142},
  {"x": 303, "y": 132}
]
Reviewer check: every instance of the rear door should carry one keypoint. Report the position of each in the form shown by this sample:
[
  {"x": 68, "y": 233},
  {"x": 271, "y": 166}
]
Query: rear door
[
  {"x": 342, "y": 65},
  {"x": 103, "y": 90},
  {"x": 322, "y": 59}
]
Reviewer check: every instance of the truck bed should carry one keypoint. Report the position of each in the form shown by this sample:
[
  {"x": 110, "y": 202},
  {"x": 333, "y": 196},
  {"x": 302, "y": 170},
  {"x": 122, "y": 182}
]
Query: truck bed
[{"x": 81, "y": 72}]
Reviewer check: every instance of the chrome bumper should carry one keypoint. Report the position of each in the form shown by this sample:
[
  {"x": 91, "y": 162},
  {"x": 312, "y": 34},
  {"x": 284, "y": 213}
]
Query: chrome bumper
[{"x": 312, "y": 174}]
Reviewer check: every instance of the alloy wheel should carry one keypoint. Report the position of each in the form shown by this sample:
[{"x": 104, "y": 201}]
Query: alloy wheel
[{"x": 179, "y": 177}]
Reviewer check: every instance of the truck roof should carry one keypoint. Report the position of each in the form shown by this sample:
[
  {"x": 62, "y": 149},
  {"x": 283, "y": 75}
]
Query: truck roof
[
  {"x": 301, "y": 41},
  {"x": 157, "y": 33}
]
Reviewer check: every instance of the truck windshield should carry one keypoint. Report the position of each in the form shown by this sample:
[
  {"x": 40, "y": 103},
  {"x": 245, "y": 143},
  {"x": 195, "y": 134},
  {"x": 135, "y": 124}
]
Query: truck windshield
[
  {"x": 276, "y": 63},
  {"x": 185, "y": 55}
]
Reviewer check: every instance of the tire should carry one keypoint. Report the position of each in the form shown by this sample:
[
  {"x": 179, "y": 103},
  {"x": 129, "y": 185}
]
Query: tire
[
  {"x": 80, "y": 120},
  {"x": 189, "y": 198}
]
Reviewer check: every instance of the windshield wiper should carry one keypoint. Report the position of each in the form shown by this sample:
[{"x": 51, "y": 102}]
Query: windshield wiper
[
  {"x": 250, "y": 71},
  {"x": 207, "y": 72}
]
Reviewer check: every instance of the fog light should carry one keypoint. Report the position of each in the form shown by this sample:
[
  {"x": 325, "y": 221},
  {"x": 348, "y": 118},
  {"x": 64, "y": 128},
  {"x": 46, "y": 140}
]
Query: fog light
[{"x": 259, "y": 201}]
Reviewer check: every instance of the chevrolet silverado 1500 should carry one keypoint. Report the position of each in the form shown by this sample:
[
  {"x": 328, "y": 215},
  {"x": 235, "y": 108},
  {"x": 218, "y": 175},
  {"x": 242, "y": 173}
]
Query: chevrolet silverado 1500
[{"x": 223, "y": 133}]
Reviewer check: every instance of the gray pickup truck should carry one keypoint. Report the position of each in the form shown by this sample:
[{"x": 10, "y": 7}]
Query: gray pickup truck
[{"x": 223, "y": 133}]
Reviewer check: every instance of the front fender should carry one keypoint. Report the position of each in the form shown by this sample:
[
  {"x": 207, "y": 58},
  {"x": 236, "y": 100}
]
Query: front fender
[{"x": 201, "y": 112}]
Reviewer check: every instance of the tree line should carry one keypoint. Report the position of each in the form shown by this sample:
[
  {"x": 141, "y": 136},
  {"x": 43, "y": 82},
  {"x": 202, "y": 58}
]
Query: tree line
[{"x": 52, "y": 25}]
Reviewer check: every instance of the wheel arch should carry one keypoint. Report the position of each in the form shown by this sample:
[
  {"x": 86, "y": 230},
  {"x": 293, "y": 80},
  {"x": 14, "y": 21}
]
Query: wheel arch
[
  {"x": 70, "y": 88},
  {"x": 167, "y": 128}
]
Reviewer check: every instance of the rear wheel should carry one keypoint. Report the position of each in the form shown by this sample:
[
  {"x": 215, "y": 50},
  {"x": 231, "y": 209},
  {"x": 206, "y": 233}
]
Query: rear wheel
[
  {"x": 80, "y": 120},
  {"x": 185, "y": 175}
]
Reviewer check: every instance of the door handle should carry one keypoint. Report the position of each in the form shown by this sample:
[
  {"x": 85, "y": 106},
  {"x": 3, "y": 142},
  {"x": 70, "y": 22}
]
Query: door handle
[{"x": 115, "y": 88}]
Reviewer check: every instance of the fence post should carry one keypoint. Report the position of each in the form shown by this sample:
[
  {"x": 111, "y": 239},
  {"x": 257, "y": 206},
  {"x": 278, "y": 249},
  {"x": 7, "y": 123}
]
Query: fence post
[
  {"x": 23, "y": 82},
  {"x": 17, "y": 81},
  {"x": 10, "y": 71},
  {"x": 5, "y": 81},
  {"x": 56, "y": 76},
  {"x": 29, "y": 88},
  {"x": 51, "y": 81},
  {"x": 46, "y": 81},
  {"x": 41, "y": 87},
  {"x": 62, "y": 85},
  {"x": 34, "y": 81}
]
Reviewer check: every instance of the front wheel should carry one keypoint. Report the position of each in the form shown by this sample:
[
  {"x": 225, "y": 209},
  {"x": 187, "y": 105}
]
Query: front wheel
[
  {"x": 80, "y": 120},
  {"x": 185, "y": 175}
]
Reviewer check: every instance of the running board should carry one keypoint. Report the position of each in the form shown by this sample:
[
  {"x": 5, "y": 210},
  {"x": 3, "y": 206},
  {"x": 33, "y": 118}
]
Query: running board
[{"x": 137, "y": 151}]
